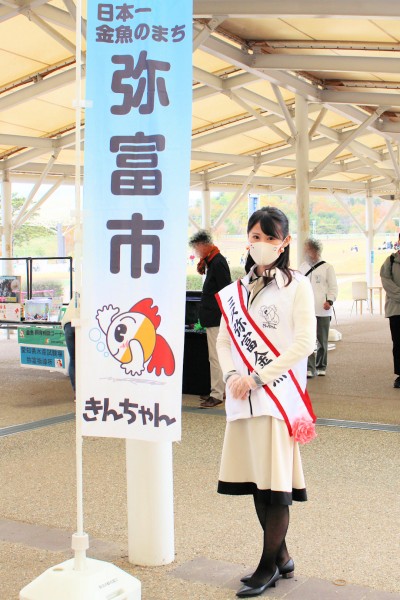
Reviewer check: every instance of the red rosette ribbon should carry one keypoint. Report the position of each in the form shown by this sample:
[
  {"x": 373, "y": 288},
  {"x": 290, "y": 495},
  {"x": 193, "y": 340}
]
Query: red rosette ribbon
[{"x": 303, "y": 431}]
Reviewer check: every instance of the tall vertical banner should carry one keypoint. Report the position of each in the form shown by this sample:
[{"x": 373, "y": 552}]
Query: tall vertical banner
[{"x": 137, "y": 165}]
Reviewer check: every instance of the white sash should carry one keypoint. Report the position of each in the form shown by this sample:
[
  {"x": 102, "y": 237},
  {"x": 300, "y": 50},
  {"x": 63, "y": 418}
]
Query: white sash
[{"x": 251, "y": 344}]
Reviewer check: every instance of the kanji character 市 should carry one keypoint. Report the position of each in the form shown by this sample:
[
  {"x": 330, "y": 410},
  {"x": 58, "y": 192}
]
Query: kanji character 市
[{"x": 136, "y": 240}]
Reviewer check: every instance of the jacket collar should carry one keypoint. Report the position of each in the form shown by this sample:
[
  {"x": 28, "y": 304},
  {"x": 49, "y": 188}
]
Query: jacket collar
[{"x": 279, "y": 276}]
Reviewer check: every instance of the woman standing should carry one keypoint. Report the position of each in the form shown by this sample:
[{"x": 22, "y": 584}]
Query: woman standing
[{"x": 266, "y": 335}]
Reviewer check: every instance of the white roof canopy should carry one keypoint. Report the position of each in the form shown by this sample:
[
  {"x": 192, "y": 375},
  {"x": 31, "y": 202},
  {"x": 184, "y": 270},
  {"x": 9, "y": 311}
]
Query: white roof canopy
[{"x": 251, "y": 61}]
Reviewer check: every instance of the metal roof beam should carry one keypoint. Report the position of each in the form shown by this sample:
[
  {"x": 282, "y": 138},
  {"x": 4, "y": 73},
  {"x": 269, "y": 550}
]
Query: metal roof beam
[
  {"x": 290, "y": 181},
  {"x": 22, "y": 158},
  {"x": 307, "y": 62},
  {"x": 285, "y": 110},
  {"x": 391, "y": 212},
  {"x": 276, "y": 109},
  {"x": 71, "y": 7},
  {"x": 367, "y": 9},
  {"x": 238, "y": 81},
  {"x": 354, "y": 166},
  {"x": 37, "y": 89},
  {"x": 365, "y": 150},
  {"x": 346, "y": 141},
  {"x": 268, "y": 157},
  {"x": 13, "y": 9},
  {"x": 222, "y": 158},
  {"x": 212, "y": 81},
  {"x": 42, "y": 200},
  {"x": 244, "y": 61},
  {"x": 276, "y": 117},
  {"x": 245, "y": 188},
  {"x": 216, "y": 136},
  {"x": 24, "y": 210},
  {"x": 317, "y": 123},
  {"x": 331, "y": 45},
  {"x": 387, "y": 176},
  {"x": 387, "y": 126},
  {"x": 200, "y": 36},
  {"x": 61, "y": 39},
  {"x": 344, "y": 205},
  {"x": 7, "y": 13},
  {"x": 356, "y": 115},
  {"x": 394, "y": 159},
  {"x": 262, "y": 120},
  {"x": 363, "y": 98},
  {"x": 34, "y": 170},
  {"x": 26, "y": 141},
  {"x": 56, "y": 16}
]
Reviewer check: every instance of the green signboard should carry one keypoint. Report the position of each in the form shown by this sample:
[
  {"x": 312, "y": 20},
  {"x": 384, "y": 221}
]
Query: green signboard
[{"x": 41, "y": 336}]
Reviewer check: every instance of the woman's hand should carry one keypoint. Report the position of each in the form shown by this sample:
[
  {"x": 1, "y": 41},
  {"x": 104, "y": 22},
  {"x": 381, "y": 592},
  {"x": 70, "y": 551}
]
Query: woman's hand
[{"x": 240, "y": 386}]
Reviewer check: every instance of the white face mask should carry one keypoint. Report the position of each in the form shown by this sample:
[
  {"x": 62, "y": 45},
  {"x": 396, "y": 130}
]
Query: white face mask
[{"x": 263, "y": 253}]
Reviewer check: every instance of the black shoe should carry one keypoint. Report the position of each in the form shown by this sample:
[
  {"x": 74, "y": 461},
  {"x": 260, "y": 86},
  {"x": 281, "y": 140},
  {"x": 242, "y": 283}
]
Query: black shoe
[
  {"x": 396, "y": 383},
  {"x": 248, "y": 592},
  {"x": 210, "y": 403},
  {"x": 286, "y": 571}
]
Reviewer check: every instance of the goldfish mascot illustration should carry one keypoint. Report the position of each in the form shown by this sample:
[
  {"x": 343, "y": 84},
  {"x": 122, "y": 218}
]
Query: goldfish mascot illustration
[{"x": 132, "y": 338}]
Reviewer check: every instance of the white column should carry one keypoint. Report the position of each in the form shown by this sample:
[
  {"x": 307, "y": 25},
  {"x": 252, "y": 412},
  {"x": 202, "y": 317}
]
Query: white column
[
  {"x": 302, "y": 187},
  {"x": 206, "y": 214},
  {"x": 149, "y": 475},
  {"x": 369, "y": 232},
  {"x": 6, "y": 221}
]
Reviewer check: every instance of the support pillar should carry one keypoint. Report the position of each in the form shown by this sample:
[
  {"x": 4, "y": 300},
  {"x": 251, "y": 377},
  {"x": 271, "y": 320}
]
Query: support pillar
[
  {"x": 206, "y": 214},
  {"x": 369, "y": 232},
  {"x": 150, "y": 503},
  {"x": 302, "y": 176},
  {"x": 6, "y": 221}
]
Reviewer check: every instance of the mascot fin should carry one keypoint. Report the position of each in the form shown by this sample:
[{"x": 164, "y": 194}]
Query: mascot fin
[{"x": 162, "y": 358}]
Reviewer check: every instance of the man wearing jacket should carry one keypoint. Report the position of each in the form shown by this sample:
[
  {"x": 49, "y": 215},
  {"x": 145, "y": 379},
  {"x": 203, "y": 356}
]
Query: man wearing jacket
[
  {"x": 323, "y": 281},
  {"x": 215, "y": 267},
  {"x": 390, "y": 276}
]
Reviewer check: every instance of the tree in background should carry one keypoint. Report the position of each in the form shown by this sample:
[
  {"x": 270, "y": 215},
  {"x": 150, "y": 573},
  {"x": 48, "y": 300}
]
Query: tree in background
[
  {"x": 329, "y": 216},
  {"x": 31, "y": 238}
]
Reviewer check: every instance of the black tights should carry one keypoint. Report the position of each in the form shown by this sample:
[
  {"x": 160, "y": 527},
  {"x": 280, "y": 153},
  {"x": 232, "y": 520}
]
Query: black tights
[{"x": 274, "y": 519}]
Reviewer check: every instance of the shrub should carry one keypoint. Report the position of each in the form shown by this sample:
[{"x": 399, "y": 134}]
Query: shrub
[
  {"x": 50, "y": 284},
  {"x": 194, "y": 282},
  {"x": 237, "y": 273}
]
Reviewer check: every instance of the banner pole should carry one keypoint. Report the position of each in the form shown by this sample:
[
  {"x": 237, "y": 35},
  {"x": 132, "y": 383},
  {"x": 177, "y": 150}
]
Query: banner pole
[{"x": 80, "y": 540}]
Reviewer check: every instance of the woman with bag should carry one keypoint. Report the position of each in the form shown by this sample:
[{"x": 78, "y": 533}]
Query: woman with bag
[{"x": 266, "y": 334}]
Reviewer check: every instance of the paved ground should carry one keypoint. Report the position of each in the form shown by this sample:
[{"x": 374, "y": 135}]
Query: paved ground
[{"x": 344, "y": 540}]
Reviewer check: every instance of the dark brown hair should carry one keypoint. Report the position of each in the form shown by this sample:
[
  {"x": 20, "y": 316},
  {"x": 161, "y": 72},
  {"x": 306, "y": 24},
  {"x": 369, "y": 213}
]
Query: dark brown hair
[{"x": 275, "y": 223}]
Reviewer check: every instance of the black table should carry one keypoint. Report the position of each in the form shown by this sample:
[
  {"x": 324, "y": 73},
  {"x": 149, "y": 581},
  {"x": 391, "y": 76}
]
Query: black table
[{"x": 196, "y": 368}]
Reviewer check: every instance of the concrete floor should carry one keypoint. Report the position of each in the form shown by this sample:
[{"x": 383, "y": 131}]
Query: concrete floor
[{"x": 345, "y": 540}]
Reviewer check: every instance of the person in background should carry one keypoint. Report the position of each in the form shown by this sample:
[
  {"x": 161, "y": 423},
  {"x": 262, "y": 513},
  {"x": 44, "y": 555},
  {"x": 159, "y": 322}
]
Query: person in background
[
  {"x": 390, "y": 276},
  {"x": 324, "y": 284},
  {"x": 267, "y": 332},
  {"x": 69, "y": 332},
  {"x": 216, "y": 270}
]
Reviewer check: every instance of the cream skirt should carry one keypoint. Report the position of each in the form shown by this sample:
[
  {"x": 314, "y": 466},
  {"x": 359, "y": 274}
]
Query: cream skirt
[{"x": 259, "y": 457}]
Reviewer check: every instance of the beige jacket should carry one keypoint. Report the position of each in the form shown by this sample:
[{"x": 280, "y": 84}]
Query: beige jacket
[{"x": 390, "y": 276}]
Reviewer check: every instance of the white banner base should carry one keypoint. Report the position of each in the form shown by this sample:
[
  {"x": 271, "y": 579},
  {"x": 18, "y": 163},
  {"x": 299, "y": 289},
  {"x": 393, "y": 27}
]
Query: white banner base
[
  {"x": 98, "y": 581},
  {"x": 149, "y": 474}
]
